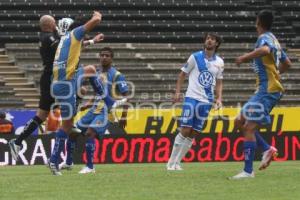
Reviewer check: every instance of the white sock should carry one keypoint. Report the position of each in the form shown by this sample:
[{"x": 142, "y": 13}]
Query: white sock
[
  {"x": 178, "y": 143},
  {"x": 187, "y": 144}
]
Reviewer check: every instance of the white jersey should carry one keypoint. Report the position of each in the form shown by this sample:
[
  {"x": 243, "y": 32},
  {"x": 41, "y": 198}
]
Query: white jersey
[{"x": 202, "y": 76}]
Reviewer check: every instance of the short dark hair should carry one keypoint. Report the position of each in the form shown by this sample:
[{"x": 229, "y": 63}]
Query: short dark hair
[
  {"x": 266, "y": 18},
  {"x": 2, "y": 115},
  {"x": 109, "y": 50},
  {"x": 214, "y": 35}
]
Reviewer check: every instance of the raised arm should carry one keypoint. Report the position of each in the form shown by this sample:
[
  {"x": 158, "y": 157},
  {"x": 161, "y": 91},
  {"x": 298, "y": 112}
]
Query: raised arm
[
  {"x": 97, "y": 39},
  {"x": 93, "y": 22}
]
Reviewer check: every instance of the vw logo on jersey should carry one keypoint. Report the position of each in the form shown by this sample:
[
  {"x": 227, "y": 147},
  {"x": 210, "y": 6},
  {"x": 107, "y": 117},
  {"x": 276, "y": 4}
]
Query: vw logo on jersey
[{"x": 206, "y": 79}]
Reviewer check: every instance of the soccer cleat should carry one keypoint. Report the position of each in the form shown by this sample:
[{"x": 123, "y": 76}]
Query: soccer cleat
[
  {"x": 171, "y": 168},
  {"x": 175, "y": 167},
  {"x": 87, "y": 170},
  {"x": 54, "y": 170},
  {"x": 268, "y": 157},
  {"x": 242, "y": 175},
  {"x": 178, "y": 167},
  {"x": 14, "y": 149},
  {"x": 76, "y": 130},
  {"x": 119, "y": 103},
  {"x": 65, "y": 166}
]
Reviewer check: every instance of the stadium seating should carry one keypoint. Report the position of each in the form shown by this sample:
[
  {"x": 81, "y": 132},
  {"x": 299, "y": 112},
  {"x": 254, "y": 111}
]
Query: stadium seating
[
  {"x": 140, "y": 20},
  {"x": 158, "y": 65},
  {"x": 15, "y": 88}
]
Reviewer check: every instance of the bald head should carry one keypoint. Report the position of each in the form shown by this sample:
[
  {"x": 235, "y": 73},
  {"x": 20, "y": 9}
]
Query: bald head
[{"x": 47, "y": 23}]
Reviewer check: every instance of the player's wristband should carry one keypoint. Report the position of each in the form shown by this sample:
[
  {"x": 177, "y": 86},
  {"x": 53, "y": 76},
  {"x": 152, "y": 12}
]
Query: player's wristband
[{"x": 91, "y": 42}]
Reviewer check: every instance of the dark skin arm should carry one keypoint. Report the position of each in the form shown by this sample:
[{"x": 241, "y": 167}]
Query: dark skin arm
[
  {"x": 93, "y": 22},
  {"x": 97, "y": 39},
  {"x": 284, "y": 66},
  {"x": 262, "y": 51}
]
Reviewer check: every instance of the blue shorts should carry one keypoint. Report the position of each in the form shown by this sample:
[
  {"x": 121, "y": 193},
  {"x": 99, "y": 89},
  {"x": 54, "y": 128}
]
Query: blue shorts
[
  {"x": 259, "y": 106},
  {"x": 194, "y": 113},
  {"x": 98, "y": 122},
  {"x": 65, "y": 93}
]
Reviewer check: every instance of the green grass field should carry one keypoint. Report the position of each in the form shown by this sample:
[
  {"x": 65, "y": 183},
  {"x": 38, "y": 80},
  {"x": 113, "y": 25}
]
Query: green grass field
[{"x": 151, "y": 181}]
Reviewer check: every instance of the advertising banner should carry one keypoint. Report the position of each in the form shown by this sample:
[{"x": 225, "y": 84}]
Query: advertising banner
[
  {"x": 152, "y": 148},
  {"x": 166, "y": 121}
]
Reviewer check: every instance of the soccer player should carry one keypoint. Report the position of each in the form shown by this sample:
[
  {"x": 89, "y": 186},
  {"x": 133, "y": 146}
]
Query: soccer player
[
  {"x": 95, "y": 121},
  {"x": 49, "y": 40},
  {"x": 67, "y": 75},
  {"x": 205, "y": 71},
  {"x": 268, "y": 61}
]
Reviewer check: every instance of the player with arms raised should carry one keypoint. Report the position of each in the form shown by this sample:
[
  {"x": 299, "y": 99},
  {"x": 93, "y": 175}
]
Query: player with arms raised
[
  {"x": 66, "y": 82},
  {"x": 205, "y": 71}
]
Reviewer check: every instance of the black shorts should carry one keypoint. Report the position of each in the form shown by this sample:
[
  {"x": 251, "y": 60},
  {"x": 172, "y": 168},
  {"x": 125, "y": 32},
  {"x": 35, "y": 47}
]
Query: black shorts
[{"x": 46, "y": 100}]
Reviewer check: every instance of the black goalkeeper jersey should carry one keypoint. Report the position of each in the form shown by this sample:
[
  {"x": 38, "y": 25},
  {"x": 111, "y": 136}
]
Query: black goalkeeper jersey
[{"x": 48, "y": 45}]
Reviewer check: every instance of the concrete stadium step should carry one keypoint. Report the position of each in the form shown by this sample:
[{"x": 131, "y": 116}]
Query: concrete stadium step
[
  {"x": 11, "y": 103},
  {"x": 3, "y": 63},
  {"x": 12, "y": 74},
  {"x": 16, "y": 80},
  {"x": 27, "y": 95},
  {"x": 5, "y": 94},
  {"x": 29, "y": 90},
  {"x": 4, "y": 58},
  {"x": 147, "y": 46},
  {"x": 9, "y": 68},
  {"x": 2, "y": 51},
  {"x": 31, "y": 105},
  {"x": 21, "y": 85},
  {"x": 31, "y": 101}
]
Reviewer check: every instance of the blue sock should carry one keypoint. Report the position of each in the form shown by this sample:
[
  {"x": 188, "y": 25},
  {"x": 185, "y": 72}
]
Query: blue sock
[
  {"x": 90, "y": 148},
  {"x": 261, "y": 142},
  {"x": 249, "y": 152},
  {"x": 100, "y": 89},
  {"x": 70, "y": 149},
  {"x": 59, "y": 145}
]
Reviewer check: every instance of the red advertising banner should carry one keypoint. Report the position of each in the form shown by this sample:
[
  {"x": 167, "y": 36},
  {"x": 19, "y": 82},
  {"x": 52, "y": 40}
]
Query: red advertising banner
[{"x": 152, "y": 148}]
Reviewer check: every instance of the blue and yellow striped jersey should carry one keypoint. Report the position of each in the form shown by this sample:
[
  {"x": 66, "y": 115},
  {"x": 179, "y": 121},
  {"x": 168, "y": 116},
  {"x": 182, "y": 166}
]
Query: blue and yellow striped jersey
[
  {"x": 67, "y": 55},
  {"x": 116, "y": 86},
  {"x": 266, "y": 67}
]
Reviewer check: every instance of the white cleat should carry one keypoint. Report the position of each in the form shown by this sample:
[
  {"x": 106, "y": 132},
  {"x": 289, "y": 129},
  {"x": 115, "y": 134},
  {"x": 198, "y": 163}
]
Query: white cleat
[
  {"x": 171, "y": 168},
  {"x": 76, "y": 130},
  {"x": 119, "y": 103},
  {"x": 175, "y": 167},
  {"x": 54, "y": 169},
  {"x": 14, "y": 149},
  {"x": 242, "y": 175},
  {"x": 65, "y": 166},
  {"x": 268, "y": 157},
  {"x": 87, "y": 170},
  {"x": 178, "y": 167}
]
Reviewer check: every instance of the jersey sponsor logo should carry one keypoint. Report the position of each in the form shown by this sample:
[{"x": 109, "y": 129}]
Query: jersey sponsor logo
[{"x": 206, "y": 79}]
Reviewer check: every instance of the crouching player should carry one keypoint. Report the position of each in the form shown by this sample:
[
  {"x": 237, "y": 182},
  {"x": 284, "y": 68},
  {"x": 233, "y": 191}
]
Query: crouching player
[
  {"x": 95, "y": 122},
  {"x": 205, "y": 71}
]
